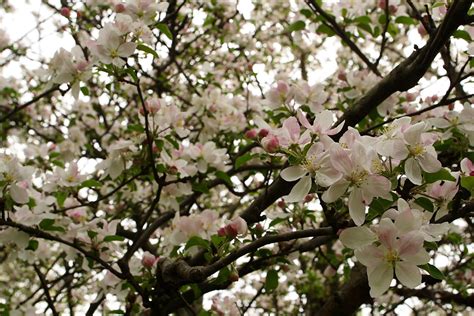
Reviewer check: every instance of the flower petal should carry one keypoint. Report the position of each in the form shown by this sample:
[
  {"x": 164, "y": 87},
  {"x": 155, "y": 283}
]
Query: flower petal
[
  {"x": 357, "y": 237},
  {"x": 413, "y": 133},
  {"x": 429, "y": 163},
  {"x": 408, "y": 274},
  {"x": 293, "y": 173},
  {"x": 335, "y": 191},
  {"x": 357, "y": 207},
  {"x": 126, "y": 49},
  {"x": 421, "y": 257},
  {"x": 300, "y": 190},
  {"x": 380, "y": 278},
  {"x": 18, "y": 194},
  {"x": 413, "y": 171}
]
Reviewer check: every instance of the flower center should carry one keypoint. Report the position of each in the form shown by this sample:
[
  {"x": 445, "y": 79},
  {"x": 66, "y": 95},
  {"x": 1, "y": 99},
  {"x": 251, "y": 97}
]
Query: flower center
[
  {"x": 392, "y": 256},
  {"x": 416, "y": 150},
  {"x": 311, "y": 165},
  {"x": 358, "y": 177}
]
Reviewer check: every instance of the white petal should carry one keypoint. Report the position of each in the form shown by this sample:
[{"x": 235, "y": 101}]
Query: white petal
[
  {"x": 380, "y": 278},
  {"x": 356, "y": 207},
  {"x": 413, "y": 133},
  {"x": 116, "y": 168},
  {"x": 19, "y": 194},
  {"x": 369, "y": 256},
  {"x": 300, "y": 190},
  {"x": 413, "y": 171},
  {"x": 126, "y": 49},
  {"x": 406, "y": 221},
  {"x": 408, "y": 274},
  {"x": 335, "y": 191},
  {"x": 429, "y": 163},
  {"x": 293, "y": 173},
  {"x": 357, "y": 237},
  {"x": 340, "y": 159},
  {"x": 421, "y": 257}
]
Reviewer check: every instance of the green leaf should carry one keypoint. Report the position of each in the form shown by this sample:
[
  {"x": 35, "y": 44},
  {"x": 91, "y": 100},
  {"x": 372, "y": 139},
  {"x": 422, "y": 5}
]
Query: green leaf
[
  {"x": 135, "y": 128},
  {"x": 91, "y": 183},
  {"x": 60, "y": 197},
  {"x": 197, "y": 241},
  {"x": 277, "y": 221},
  {"x": 224, "y": 176},
  {"x": 363, "y": 19},
  {"x": 425, "y": 203},
  {"x": 223, "y": 275},
  {"x": 324, "y": 29},
  {"x": 165, "y": 30},
  {"x": 217, "y": 240},
  {"x": 132, "y": 73},
  {"x": 32, "y": 245},
  {"x": 271, "y": 281},
  {"x": 365, "y": 27},
  {"x": 468, "y": 183},
  {"x": 442, "y": 174},
  {"x": 433, "y": 271},
  {"x": 200, "y": 187},
  {"x": 113, "y": 238},
  {"x": 405, "y": 20},
  {"x": 85, "y": 90},
  {"x": 48, "y": 225},
  {"x": 147, "y": 50},
  {"x": 438, "y": 4},
  {"x": 296, "y": 26},
  {"x": 462, "y": 35},
  {"x": 240, "y": 161},
  {"x": 307, "y": 13}
]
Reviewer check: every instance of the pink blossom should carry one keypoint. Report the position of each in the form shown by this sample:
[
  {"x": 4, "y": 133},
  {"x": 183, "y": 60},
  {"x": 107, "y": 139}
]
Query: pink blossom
[{"x": 149, "y": 260}]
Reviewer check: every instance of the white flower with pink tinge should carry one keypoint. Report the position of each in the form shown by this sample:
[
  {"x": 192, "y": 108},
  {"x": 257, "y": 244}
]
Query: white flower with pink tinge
[
  {"x": 467, "y": 167},
  {"x": 443, "y": 193},
  {"x": 322, "y": 123},
  {"x": 110, "y": 48},
  {"x": 316, "y": 165},
  {"x": 399, "y": 252},
  {"x": 357, "y": 177},
  {"x": 290, "y": 133},
  {"x": 421, "y": 154}
]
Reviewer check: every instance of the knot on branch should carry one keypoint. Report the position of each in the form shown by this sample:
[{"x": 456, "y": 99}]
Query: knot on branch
[{"x": 176, "y": 273}]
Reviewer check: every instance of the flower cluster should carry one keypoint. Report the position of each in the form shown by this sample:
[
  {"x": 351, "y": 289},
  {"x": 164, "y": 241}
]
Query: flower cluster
[{"x": 394, "y": 244}]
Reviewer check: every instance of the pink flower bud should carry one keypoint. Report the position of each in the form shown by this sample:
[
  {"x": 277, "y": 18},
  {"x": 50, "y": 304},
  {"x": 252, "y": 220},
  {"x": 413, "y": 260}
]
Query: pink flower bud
[
  {"x": 421, "y": 30},
  {"x": 434, "y": 98},
  {"x": 410, "y": 97},
  {"x": 451, "y": 106},
  {"x": 270, "y": 143},
  {"x": 329, "y": 271},
  {"x": 173, "y": 170},
  {"x": 251, "y": 134},
  {"x": 308, "y": 198},
  {"x": 239, "y": 224},
  {"x": 341, "y": 75},
  {"x": 234, "y": 277},
  {"x": 281, "y": 204},
  {"x": 149, "y": 260},
  {"x": 263, "y": 132},
  {"x": 221, "y": 232},
  {"x": 65, "y": 11},
  {"x": 282, "y": 87},
  {"x": 259, "y": 228},
  {"x": 119, "y": 8},
  {"x": 230, "y": 231}
]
